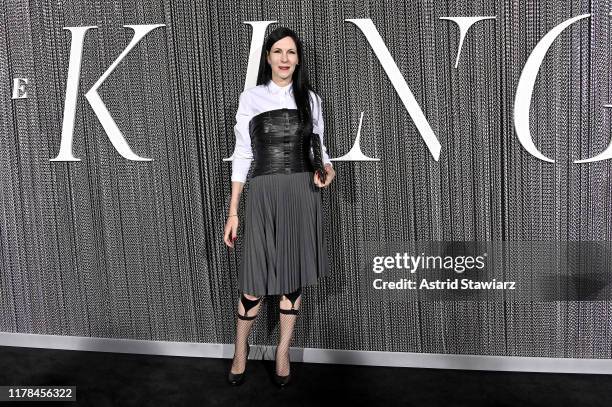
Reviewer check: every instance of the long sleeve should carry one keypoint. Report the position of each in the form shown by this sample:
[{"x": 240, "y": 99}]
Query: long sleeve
[
  {"x": 243, "y": 155},
  {"x": 318, "y": 126}
]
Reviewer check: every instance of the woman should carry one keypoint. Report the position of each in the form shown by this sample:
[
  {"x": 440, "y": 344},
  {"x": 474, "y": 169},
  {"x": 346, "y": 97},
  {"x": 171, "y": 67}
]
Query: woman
[{"x": 279, "y": 126}]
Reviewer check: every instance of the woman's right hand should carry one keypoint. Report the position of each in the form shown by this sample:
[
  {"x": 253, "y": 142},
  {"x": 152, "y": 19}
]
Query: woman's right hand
[{"x": 231, "y": 231}]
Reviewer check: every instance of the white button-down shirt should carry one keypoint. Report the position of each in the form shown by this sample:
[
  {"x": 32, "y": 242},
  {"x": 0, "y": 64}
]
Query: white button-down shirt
[{"x": 263, "y": 98}]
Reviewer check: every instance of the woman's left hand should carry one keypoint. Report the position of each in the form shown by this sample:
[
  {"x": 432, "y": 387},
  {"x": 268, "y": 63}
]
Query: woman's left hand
[{"x": 331, "y": 174}]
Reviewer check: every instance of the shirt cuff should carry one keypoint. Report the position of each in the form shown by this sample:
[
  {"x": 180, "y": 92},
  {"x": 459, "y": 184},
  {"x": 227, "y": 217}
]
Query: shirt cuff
[{"x": 240, "y": 169}]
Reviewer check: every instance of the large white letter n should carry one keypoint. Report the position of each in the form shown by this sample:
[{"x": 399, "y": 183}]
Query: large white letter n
[
  {"x": 98, "y": 106},
  {"x": 381, "y": 51}
]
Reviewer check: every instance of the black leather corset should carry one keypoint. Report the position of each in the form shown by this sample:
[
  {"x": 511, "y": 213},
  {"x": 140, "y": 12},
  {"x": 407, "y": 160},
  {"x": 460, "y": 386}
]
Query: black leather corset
[{"x": 278, "y": 143}]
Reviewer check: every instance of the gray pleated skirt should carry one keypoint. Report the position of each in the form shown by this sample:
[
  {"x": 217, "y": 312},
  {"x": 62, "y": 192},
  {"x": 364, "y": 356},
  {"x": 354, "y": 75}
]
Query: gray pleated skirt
[{"x": 284, "y": 247}]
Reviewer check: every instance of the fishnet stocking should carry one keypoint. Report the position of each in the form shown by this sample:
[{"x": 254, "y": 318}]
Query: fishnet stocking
[
  {"x": 289, "y": 306},
  {"x": 246, "y": 308}
]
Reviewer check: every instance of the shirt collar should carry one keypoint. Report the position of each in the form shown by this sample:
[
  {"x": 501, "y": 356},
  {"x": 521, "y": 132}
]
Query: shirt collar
[{"x": 275, "y": 89}]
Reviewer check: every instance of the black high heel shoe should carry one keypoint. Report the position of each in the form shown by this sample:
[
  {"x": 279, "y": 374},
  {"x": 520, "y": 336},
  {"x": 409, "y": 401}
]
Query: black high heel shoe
[{"x": 236, "y": 379}]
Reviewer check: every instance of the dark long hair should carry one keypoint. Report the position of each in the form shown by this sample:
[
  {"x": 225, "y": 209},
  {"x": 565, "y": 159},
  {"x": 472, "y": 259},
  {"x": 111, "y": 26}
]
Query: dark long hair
[{"x": 301, "y": 84}]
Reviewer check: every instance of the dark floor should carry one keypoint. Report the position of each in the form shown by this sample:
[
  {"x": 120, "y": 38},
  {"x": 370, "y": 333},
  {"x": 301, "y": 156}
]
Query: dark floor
[{"x": 114, "y": 379}]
